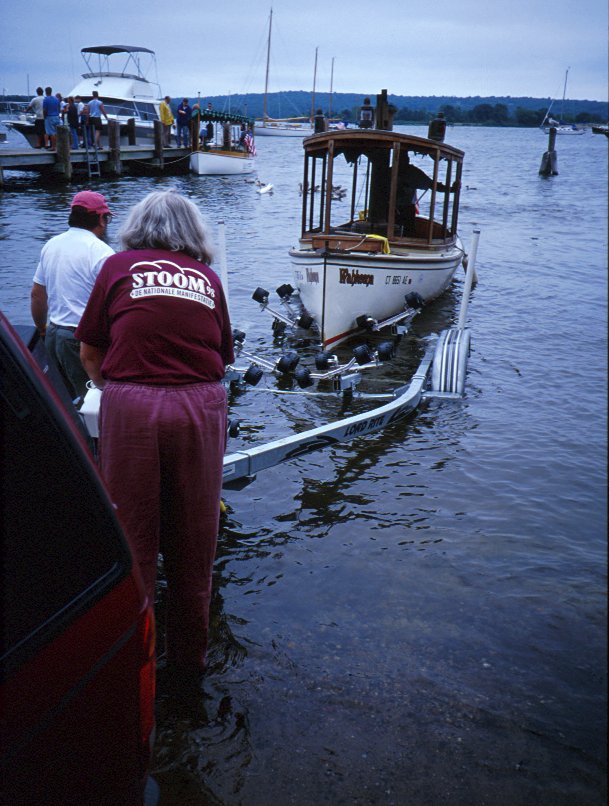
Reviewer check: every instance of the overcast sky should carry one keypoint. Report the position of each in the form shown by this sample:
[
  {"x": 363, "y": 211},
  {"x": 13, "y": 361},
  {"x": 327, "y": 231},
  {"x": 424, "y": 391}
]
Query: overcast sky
[{"x": 444, "y": 47}]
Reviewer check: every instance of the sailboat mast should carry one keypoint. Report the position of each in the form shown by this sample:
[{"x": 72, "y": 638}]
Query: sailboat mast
[
  {"x": 331, "y": 85},
  {"x": 564, "y": 92},
  {"x": 266, "y": 78},
  {"x": 314, "y": 80}
]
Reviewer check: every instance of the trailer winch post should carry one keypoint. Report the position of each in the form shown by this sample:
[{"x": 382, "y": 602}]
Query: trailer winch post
[
  {"x": 223, "y": 262},
  {"x": 469, "y": 279}
]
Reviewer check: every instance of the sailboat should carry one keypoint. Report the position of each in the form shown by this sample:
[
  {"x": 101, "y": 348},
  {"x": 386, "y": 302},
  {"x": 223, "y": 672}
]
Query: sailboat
[
  {"x": 561, "y": 128},
  {"x": 278, "y": 127}
]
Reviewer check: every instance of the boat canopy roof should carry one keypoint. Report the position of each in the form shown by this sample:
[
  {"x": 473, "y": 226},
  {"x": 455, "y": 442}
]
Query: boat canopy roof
[
  {"x": 102, "y": 61},
  {"x": 221, "y": 117},
  {"x": 108, "y": 50},
  {"x": 355, "y": 142}
]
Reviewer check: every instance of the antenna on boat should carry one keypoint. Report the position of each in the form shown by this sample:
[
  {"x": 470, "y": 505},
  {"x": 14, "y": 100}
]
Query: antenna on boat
[
  {"x": 266, "y": 77},
  {"x": 314, "y": 81},
  {"x": 331, "y": 86}
]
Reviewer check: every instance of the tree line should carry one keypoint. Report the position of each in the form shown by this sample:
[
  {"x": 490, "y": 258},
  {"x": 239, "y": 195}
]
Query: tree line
[{"x": 486, "y": 114}]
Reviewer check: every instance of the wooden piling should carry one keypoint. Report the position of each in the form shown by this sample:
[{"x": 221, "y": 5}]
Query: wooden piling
[
  {"x": 549, "y": 163},
  {"x": 158, "y": 142},
  {"x": 63, "y": 151},
  {"x": 384, "y": 112},
  {"x": 113, "y": 163},
  {"x": 131, "y": 131}
]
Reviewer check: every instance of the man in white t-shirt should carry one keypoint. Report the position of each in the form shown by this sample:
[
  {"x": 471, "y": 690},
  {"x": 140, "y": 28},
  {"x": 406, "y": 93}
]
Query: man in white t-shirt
[
  {"x": 68, "y": 267},
  {"x": 35, "y": 106}
]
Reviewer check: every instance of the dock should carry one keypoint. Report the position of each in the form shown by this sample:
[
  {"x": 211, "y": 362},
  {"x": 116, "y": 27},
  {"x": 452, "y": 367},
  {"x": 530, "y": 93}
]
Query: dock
[{"x": 113, "y": 160}]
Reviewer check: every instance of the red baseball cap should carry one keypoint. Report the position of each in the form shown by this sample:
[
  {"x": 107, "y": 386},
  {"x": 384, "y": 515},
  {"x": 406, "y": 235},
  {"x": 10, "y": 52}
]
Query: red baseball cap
[{"x": 92, "y": 201}]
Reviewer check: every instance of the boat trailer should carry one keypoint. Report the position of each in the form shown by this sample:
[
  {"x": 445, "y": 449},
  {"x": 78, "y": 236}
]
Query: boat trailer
[{"x": 440, "y": 374}]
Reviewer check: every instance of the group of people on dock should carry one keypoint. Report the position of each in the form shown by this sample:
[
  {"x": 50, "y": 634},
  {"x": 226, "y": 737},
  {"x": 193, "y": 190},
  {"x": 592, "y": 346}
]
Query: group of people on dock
[
  {"x": 149, "y": 326},
  {"x": 83, "y": 119},
  {"x": 183, "y": 120}
]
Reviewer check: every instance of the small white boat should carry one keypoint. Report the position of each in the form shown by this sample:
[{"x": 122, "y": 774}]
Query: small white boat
[
  {"x": 360, "y": 254},
  {"x": 118, "y": 73},
  {"x": 285, "y": 127},
  {"x": 560, "y": 127},
  {"x": 226, "y": 144},
  {"x": 600, "y": 128},
  {"x": 282, "y": 128}
]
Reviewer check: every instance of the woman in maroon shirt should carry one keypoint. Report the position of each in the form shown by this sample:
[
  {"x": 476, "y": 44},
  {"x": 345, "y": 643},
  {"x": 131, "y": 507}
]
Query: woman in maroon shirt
[{"x": 156, "y": 337}]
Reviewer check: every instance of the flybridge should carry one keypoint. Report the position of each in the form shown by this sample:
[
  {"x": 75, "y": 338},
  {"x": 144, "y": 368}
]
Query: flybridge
[{"x": 98, "y": 61}]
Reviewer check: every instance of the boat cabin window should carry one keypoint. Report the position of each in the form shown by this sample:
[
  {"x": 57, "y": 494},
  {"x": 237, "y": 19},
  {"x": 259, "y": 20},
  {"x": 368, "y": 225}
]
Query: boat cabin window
[
  {"x": 146, "y": 111},
  {"x": 116, "y": 106},
  {"x": 361, "y": 190}
]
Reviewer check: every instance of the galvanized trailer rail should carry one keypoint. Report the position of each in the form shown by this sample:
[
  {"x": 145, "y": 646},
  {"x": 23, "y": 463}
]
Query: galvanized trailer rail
[
  {"x": 244, "y": 464},
  {"x": 440, "y": 374}
]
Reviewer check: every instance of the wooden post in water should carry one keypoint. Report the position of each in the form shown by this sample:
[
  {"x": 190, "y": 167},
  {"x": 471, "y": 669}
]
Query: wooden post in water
[
  {"x": 158, "y": 142},
  {"x": 549, "y": 165},
  {"x": 131, "y": 131},
  {"x": 114, "y": 146},
  {"x": 63, "y": 151},
  {"x": 384, "y": 112}
]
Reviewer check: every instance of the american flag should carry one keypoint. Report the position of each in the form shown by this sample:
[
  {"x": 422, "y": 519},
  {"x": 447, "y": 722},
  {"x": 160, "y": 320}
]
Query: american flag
[{"x": 248, "y": 142}]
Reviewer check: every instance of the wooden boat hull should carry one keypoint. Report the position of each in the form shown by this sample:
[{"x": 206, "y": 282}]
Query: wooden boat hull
[
  {"x": 221, "y": 163},
  {"x": 336, "y": 289}
]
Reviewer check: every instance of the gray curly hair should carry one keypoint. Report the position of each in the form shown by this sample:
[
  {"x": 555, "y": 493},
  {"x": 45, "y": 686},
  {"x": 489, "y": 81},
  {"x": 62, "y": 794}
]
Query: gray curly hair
[{"x": 165, "y": 219}]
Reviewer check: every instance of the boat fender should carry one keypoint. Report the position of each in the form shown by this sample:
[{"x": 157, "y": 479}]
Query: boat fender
[{"x": 414, "y": 300}]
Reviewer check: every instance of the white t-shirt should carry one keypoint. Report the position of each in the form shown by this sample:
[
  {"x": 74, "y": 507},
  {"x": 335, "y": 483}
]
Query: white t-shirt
[
  {"x": 36, "y": 106},
  {"x": 68, "y": 267}
]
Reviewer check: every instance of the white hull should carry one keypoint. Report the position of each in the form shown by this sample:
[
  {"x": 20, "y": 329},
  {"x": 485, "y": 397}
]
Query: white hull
[
  {"x": 144, "y": 131},
  {"x": 127, "y": 94},
  {"x": 221, "y": 163},
  {"x": 565, "y": 130},
  {"x": 337, "y": 289},
  {"x": 282, "y": 130}
]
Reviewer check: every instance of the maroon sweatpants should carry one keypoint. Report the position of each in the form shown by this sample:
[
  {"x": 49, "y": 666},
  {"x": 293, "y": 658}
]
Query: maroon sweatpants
[{"x": 161, "y": 451}]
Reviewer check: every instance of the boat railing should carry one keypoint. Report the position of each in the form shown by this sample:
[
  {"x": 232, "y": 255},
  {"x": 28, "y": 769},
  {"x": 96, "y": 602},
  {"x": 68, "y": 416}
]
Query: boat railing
[
  {"x": 15, "y": 109},
  {"x": 357, "y": 229},
  {"x": 112, "y": 74}
]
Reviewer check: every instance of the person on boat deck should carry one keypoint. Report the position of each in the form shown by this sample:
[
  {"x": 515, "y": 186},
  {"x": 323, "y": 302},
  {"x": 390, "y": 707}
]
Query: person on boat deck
[
  {"x": 366, "y": 115},
  {"x": 410, "y": 179},
  {"x": 83, "y": 119},
  {"x": 72, "y": 118},
  {"x": 184, "y": 118},
  {"x": 69, "y": 264},
  {"x": 35, "y": 106},
  {"x": 156, "y": 337},
  {"x": 96, "y": 110},
  {"x": 63, "y": 105},
  {"x": 167, "y": 119},
  {"x": 51, "y": 108}
]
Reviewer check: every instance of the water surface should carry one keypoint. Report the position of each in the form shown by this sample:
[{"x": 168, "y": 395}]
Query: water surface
[{"x": 418, "y": 616}]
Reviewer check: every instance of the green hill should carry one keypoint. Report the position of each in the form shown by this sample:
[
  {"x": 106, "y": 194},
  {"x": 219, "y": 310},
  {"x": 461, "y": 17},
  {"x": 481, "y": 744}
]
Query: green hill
[{"x": 493, "y": 110}]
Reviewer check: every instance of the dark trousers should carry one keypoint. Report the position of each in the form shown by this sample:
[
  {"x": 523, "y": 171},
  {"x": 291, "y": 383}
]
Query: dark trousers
[
  {"x": 64, "y": 350},
  {"x": 161, "y": 451}
]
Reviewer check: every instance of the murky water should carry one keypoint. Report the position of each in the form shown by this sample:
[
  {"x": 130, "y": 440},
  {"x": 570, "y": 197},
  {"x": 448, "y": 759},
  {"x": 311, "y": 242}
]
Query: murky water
[{"x": 418, "y": 616}]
